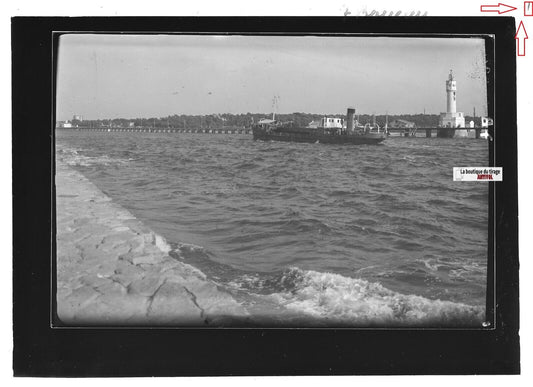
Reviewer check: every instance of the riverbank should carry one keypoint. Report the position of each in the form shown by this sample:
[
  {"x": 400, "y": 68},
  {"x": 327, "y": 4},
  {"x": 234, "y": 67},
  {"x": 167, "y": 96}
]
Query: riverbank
[{"x": 112, "y": 269}]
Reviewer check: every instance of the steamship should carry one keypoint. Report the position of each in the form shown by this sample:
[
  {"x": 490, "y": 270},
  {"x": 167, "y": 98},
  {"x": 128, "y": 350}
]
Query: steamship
[{"x": 329, "y": 131}]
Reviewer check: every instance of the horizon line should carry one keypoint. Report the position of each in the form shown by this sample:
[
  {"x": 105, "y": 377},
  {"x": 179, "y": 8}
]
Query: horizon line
[{"x": 257, "y": 113}]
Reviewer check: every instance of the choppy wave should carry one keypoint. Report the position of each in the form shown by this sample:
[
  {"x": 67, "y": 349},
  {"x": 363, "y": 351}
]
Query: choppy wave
[
  {"x": 457, "y": 271},
  {"x": 389, "y": 214},
  {"x": 77, "y": 158},
  {"x": 356, "y": 302}
]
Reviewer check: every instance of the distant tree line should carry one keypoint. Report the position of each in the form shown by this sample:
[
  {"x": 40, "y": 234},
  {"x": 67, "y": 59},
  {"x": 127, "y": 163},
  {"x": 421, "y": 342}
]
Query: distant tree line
[{"x": 227, "y": 120}]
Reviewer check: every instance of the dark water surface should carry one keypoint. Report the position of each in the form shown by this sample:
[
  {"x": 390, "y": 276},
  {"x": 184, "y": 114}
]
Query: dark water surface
[{"x": 355, "y": 235}]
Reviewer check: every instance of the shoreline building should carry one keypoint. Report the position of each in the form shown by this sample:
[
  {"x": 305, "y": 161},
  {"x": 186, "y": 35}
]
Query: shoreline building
[{"x": 64, "y": 124}]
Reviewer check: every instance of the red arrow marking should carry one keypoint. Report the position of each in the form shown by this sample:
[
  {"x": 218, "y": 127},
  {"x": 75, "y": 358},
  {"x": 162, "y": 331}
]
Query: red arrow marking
[
  {"x": 500, "y": 8},
  {"x": 521, "y": 34}
]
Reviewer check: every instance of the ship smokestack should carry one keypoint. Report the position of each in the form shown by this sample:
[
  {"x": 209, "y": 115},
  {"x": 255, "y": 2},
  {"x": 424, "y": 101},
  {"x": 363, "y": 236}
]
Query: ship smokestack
[{"x": 349, "y": 120}]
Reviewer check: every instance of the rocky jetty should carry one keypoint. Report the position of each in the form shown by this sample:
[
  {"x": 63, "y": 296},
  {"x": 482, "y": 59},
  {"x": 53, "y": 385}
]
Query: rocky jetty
[{"x": 113, "y": 270}]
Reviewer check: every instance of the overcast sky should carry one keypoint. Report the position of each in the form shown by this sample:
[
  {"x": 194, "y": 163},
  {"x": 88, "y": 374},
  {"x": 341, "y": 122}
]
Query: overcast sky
[{"x": 130, "y": 76}]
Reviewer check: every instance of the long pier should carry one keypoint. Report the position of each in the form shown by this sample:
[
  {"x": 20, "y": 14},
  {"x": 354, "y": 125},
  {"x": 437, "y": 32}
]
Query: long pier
[
  {"x": 439, "y": 132},
  {"x": 164, "y": 130},
  {"x": 395, "y": 132}
]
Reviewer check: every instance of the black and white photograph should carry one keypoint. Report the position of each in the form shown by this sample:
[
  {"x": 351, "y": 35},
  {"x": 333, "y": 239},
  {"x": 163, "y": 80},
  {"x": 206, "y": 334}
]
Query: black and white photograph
[
  {"x": 217, "y": 180},
  {"x": 266, "y": 196}
]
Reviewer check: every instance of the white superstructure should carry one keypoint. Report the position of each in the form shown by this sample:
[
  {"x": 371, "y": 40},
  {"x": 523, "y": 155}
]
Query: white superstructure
[{"x": 331, "y": 122}]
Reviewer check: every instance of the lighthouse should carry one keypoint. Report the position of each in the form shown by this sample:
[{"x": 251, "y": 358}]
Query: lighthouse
[
  {"x": 451, "y": 89},
  {"x": 452, "y": 118}
]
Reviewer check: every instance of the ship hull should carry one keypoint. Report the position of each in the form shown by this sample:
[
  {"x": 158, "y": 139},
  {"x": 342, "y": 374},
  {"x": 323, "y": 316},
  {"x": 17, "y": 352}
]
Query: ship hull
[{"x": 308, "y": 136}]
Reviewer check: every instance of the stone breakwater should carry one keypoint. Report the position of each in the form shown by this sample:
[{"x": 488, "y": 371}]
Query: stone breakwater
[{"x": 112, "y": 269}]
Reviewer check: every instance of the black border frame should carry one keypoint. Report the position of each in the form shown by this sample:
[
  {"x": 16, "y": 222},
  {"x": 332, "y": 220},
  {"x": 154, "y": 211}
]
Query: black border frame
[{"x": 40, "y": 350}]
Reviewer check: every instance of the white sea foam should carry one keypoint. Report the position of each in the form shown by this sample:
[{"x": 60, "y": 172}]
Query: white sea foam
[
  {"x": 348, "y": 300},
  {"x": 431, "y": 265},
  {"x": 469, "y": 270},
  {"x": 162, "y": 244},
  {"x": 75, "y": 157},
  {"x": 190, "y": 247},
  {"x": 456, "y": 270}
]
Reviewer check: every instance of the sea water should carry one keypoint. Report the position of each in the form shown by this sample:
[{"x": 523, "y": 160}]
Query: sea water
[{"x": 309, "y": 234}]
